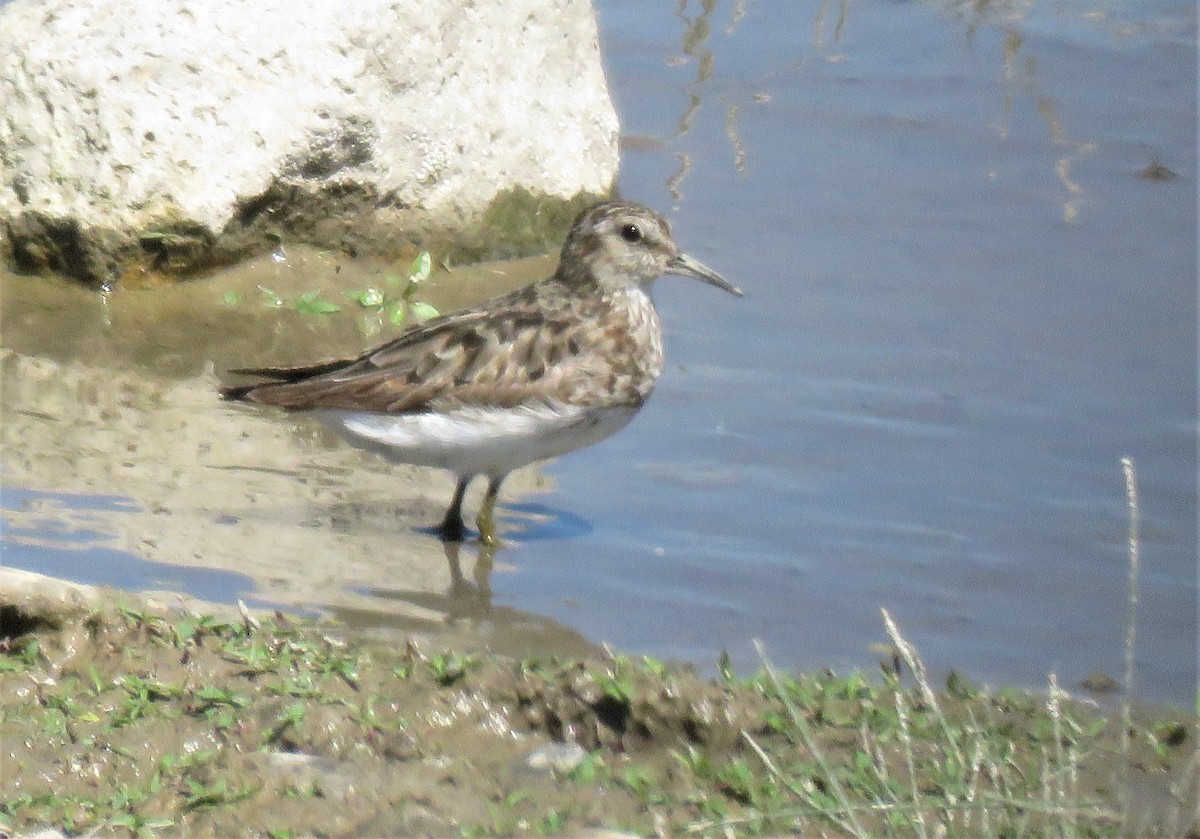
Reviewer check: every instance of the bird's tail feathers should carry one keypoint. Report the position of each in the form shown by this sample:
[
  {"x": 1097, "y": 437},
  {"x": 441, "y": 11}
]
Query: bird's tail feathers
[{"x": 275, "y": 375}]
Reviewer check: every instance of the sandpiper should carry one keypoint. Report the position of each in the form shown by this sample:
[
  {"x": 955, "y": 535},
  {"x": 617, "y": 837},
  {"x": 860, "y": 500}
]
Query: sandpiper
[{"x": 531, "y": 375}]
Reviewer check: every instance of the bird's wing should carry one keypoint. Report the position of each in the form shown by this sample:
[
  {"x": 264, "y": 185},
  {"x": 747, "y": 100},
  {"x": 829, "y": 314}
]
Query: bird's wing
[{"x": 509, "y": 353}]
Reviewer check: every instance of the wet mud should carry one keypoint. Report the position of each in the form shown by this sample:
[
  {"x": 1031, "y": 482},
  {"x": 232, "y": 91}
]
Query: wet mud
[{"x": 142, "y": 718}]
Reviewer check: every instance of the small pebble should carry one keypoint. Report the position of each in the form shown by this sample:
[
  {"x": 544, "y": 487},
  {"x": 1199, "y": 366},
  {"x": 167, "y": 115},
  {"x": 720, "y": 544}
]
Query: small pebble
[{"x": 559, "y": 757}]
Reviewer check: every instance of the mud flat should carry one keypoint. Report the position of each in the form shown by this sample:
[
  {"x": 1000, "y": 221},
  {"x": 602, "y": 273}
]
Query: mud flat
[{"x": 122, "y": 716}]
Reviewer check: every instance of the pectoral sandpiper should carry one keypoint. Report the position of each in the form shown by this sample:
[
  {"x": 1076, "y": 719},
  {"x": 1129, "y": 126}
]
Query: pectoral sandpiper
[{"x": 531, "y": 375}]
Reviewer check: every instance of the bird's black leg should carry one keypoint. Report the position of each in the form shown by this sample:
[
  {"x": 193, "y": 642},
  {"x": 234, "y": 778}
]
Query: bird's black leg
[
  {"x": 486, "y": 519},
  {"x": 452, "y": 524}
]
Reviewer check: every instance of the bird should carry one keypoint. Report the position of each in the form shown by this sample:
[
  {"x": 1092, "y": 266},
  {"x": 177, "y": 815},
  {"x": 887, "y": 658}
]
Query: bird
[{"x": 524, "y": 377}]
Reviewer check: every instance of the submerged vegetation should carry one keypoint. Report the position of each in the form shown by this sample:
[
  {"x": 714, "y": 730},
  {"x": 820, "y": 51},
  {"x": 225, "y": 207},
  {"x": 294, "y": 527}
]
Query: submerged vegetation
[{"x": 396, "y": 302}]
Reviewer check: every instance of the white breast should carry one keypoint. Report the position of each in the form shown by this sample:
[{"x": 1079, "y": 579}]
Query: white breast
[{"x": 479, "y": 441}]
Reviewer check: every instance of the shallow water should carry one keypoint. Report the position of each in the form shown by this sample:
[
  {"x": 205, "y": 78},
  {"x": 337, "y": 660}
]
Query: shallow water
[{"x": 967, "y": 300}]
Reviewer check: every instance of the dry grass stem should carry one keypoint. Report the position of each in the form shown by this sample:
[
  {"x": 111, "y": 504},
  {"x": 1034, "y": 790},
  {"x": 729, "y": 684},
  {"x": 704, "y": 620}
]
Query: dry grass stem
[
  {"x": 906, "y": 741},
  {"x": 1131, "y": 502},
  {"x": 853, "y": 827}
]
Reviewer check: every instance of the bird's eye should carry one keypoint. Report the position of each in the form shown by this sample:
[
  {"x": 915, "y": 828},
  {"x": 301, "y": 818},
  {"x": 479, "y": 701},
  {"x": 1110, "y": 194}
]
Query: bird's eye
[{"x": 631, "y": 233}]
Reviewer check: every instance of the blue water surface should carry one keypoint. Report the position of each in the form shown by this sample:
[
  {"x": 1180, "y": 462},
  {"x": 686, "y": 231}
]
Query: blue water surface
[{"x": 966, "y": 304}]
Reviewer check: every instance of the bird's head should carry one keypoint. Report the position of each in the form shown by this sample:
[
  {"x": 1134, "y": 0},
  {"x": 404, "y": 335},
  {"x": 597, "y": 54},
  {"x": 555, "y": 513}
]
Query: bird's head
[{"x": 618, "y": 243}]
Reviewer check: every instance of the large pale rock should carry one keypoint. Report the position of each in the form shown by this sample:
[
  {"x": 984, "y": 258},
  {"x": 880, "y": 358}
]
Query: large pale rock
[{"x": 169, "y": 135}]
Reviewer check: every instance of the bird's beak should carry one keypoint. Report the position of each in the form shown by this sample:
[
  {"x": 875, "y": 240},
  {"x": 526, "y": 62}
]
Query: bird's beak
[{"x": 688, "y": 267}]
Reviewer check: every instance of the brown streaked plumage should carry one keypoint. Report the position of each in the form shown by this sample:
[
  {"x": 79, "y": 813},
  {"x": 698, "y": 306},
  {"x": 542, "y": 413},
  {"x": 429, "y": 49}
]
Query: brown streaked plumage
[{"x": 547, "y": 369}]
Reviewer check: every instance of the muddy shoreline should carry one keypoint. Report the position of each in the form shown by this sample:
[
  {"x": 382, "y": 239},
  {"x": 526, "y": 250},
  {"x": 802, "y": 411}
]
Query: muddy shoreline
[{"x": 127, "y": 716}]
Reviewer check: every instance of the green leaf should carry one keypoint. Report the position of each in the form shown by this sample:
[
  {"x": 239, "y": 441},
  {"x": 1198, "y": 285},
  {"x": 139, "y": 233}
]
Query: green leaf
[
  {"x": 310, "y": 303},
  {"x": 725, "y": 667},
  {"x": 420, "y": 268},
  {"x": 397, "y": 313},
  {"x": 368, "y": 298},
  {"x": 185, "y": 630},
  {"x": 655, "y": 666},
  {"x": 232, "y": 298},
  {"x": 516, "y": 797},
  {"x": 586, "y": 771},
  {"x": 552, "y": 823},
  {"x": 94, "y": 674},
  {"x": 420, "y": 310},
  {"x": 293, "y": 714},
  {"x": 616, "y": 688},
  {"x": 959, "y": 686}
]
